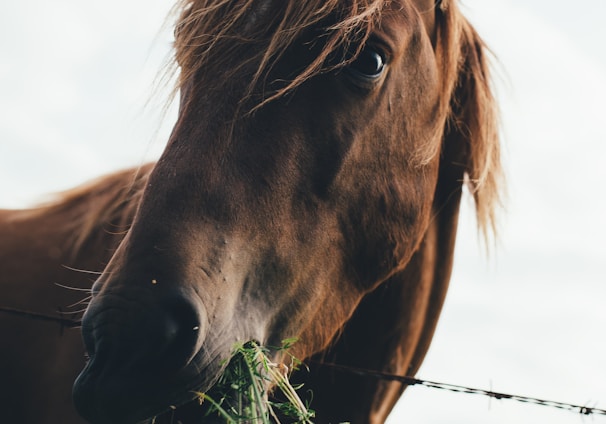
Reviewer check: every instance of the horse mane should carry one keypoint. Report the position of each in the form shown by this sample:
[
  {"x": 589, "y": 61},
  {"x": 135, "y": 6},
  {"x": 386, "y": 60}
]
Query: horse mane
[
  {"x": 474, "y": 116},
  {"x": 106, "y": 204},
  {"x": 472, "y": 112}
]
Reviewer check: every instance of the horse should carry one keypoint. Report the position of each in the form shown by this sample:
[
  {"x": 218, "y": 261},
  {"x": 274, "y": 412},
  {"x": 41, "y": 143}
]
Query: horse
[{"x": 310, "y": 189}]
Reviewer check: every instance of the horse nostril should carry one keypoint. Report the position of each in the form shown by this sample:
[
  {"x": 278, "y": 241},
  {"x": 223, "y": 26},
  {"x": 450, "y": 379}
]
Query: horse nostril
[
  {"x": 182, "y": 333},
  {"x": 89, "y": 322}
]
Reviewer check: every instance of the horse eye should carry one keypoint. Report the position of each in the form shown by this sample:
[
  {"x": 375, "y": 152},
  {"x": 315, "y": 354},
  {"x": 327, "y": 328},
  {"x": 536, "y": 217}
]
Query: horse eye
[{"x": 369, "y": 63}]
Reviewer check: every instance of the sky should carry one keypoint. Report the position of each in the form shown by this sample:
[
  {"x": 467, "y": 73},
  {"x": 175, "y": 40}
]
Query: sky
[{"x": 79, "y": 97}]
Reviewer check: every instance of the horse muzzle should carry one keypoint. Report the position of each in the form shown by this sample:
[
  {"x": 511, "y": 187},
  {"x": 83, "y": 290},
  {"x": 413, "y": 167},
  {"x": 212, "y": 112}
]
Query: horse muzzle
[{"x": 146, "y": 356}]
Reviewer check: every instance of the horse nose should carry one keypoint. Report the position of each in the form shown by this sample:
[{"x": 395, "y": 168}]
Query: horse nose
[
  {"x": 136, "y": 332},
  {"x": 133, "y": 342}
]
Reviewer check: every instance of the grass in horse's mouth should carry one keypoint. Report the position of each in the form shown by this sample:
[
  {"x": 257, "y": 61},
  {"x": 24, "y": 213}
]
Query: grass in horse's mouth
[{"x": 241, "y": 394}]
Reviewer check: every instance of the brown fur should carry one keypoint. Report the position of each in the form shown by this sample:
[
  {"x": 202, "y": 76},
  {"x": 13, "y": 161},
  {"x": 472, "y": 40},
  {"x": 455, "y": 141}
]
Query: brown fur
[{"x": 82, "y": 229}]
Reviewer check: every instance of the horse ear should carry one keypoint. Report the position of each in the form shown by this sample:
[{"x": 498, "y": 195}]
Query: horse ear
[{"x": 473, "y": 129}]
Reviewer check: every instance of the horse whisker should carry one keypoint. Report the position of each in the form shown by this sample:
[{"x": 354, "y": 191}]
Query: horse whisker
[
  {"x": 84, "y": 301},
  {"x": 79, "y": 311},
  {"x": 84, "y": 271},
  {"x": 81, "y": 289}
]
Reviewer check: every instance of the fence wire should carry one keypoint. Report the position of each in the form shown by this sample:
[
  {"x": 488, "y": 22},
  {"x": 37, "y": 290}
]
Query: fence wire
[
  {"x": 63, "y": 319},
  {"x": 411, "y": 381}
]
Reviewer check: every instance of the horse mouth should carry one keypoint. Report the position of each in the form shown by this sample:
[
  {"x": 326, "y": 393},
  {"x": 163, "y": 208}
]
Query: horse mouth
[
  {"x": 138, "y": 399},
  {"x": 241, "y": 392}
]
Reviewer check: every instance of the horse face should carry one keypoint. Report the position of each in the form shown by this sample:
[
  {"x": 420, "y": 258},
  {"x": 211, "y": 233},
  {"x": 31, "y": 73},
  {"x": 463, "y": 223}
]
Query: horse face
[{"x": 267, "y": 224}]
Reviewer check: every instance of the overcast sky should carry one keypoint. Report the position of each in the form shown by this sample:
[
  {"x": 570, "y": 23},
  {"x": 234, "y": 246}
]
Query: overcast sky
[
  {"x": 530, "y": 320},
  {"x": 75, "y": 84}
]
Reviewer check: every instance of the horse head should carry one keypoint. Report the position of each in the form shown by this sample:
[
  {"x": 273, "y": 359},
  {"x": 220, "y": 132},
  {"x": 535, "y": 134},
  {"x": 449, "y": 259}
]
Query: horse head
[{"x": 300, "y": 175}]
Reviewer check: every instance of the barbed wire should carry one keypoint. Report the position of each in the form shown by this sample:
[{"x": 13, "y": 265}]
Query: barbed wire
[
  {"x": 412, "y": 381},
  {"x": 407, "y": 380},
  {"x": 62, "y": 319}
]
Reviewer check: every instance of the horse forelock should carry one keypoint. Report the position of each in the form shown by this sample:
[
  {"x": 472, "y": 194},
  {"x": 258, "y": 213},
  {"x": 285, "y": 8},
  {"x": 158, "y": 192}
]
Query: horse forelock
[{"x": 223, "y": 36}]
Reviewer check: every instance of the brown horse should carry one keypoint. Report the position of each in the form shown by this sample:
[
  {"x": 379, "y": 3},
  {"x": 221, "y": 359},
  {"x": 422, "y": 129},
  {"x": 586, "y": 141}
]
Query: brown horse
[{"x": 310, "y": 189}]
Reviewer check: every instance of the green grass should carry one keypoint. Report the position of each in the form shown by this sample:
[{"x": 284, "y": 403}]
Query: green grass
[{"x": 241, "y": 394}]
